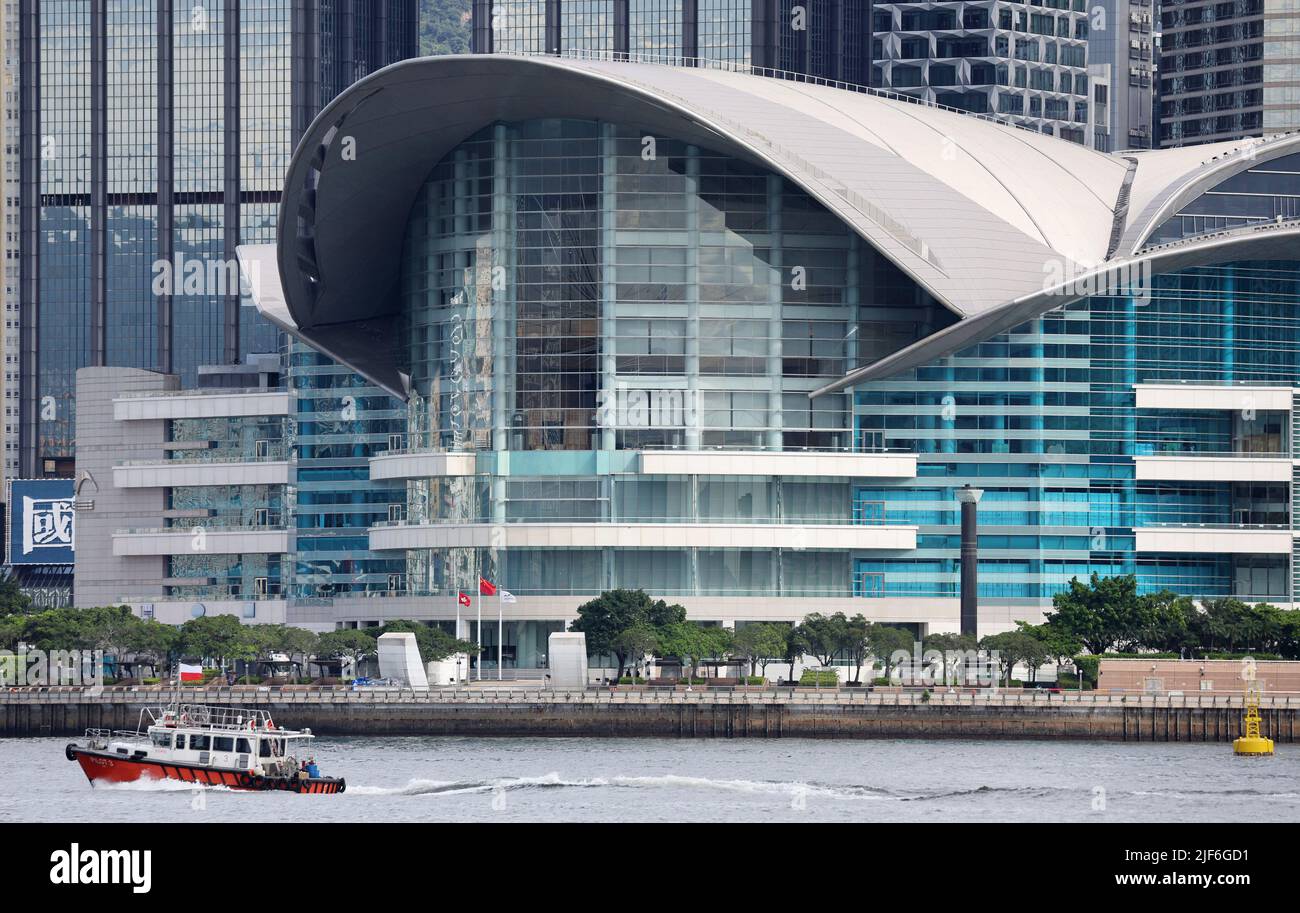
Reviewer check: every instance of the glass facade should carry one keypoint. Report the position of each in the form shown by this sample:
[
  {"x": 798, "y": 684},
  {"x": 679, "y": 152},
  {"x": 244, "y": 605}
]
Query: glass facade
[
  {"x": 1267, "y": 192},
  {"x": 578, "y": 291},
  {"x": 827, "y": 39},
  {"x": 340, "y": 421},
  {"x": 554, "y": 273},
  {"x": 164, "y": 131},
  {"x": 1044, "y": 419},
  {"x": 1228, "y": 70}
]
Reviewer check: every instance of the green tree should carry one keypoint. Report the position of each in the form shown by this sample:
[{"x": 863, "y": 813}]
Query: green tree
[
  {"x": 1012, "y": 647},
  {"x": 1104, "y": 613},
  {"x": 108, "y": 628},
  {"x": 949, "y": 643},
  {"x": 298, "y": 644},
  {"x": 217, "y": 637},
  {"x": 606, "y": 617},
  {"x": 56, "y": 629},
  {"x": 857, "y": 644},
  {"x": 954, "y": 649},
  {"x": 153, "y": 641},
  {"x": 796, "y": 645},
  {"x": 886, "y": 641},
  {"x": 825, "y": 636},
  {"x": 1061, "y": 645},
  {"x": 1170, "y": 623},
  {"x": 12, "y": 629},
  {"x": 694, "y": 643},
  {"x": 350, "y": 645},
  {"x": 13, "y": 601},
  {"x": 760, "y": 644},
  {"x": 637, "y": 642}
]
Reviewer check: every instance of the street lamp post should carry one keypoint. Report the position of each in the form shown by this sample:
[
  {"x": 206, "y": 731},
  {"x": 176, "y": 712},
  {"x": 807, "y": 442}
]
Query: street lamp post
[{"x": 969, "y": 498}]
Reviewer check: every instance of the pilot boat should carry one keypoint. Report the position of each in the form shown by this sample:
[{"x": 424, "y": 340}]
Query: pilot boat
[{"x": 195, "y": 743}]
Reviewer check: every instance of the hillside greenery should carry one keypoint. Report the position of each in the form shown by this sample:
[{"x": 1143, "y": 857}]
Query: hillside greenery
[{"x": 444, "y": 27}]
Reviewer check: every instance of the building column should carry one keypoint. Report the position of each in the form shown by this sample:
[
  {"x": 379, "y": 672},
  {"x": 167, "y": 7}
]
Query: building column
[
  {"x": 695, "y": 407},
  {"x": 609, "y": 286},
  {"x": 231, "y": 182},
  {"x": 165, "y": 177},
  {"x": 501, "y": 314},
  {"x": 775, "y": 295},
  {"x": 969, "y": 498},
  {"x": 98, "y": 183}
]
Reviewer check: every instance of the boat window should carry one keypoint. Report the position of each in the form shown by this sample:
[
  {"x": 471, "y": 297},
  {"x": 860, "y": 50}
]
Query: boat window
[
  {"x": 263, "y": 748},
  {"x": 200, "y": 742},
  {"x": 242, "y": 746},
  {"x": 161, "y": 739},
  {"x": 223, "y": 743},
  {"x": 180, "y": 740}
]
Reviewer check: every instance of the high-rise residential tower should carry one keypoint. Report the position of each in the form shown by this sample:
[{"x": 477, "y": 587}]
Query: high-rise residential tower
[
  {"x": 829, "y": 39},
  {"x": 155, "y": 135},
  {"x": 1077, "y": 70},
  {"x": 1228, "y": 69}
]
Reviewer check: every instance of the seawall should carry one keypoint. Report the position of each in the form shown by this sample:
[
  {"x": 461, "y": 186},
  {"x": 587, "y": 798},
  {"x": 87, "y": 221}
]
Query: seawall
[{"x": 512, "y": 712}]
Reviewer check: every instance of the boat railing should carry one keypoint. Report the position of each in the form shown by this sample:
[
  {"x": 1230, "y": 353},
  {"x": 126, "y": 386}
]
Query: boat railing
[
  {"x": 208, "y": 716},
  {"x": 105, "y": 736}
]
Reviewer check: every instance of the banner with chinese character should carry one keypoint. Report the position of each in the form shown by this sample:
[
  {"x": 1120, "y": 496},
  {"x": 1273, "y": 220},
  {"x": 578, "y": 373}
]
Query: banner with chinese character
[{"x": 41, "y": 521}]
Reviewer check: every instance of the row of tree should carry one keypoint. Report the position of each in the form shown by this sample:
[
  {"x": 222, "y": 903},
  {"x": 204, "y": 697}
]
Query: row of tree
[
  {"x": 1106, "y": 615},
  {"x": 630, "y": 625},
  {"x": 221, "y": 638}
]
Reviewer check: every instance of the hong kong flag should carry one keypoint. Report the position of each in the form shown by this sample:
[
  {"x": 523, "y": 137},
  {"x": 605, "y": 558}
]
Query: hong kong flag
[
  {"x": 464, "y": 600},
  {"x": 486, "y": 588}
]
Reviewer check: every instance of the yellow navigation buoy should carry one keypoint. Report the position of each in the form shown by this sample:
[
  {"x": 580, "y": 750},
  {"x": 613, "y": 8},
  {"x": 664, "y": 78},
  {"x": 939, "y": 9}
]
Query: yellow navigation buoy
[{"x": 1252, "y": 743}]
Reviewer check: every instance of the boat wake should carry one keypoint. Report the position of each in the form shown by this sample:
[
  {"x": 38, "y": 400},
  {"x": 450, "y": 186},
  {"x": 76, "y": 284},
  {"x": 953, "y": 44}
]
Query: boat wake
[
  {"x": 156, "y": 785},
  {"x": 787, "y": 789}
]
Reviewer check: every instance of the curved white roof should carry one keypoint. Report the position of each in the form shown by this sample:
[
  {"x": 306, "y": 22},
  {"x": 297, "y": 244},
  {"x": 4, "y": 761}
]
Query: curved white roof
[{"x": 983, "y": 215}]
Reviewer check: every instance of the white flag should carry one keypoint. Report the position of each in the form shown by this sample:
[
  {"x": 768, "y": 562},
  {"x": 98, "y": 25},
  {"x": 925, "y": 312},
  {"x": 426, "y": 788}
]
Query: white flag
[{"x": 507, "y": 596}]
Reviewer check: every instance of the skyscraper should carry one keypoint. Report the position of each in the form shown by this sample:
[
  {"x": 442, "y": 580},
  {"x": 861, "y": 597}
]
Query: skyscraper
[
  {"x": 828, "y": 39},
  {"x": 1228, "y": 70},
  {"x": 1080, "y": 71},
  {"x": 9, "y": 216},
  {"x": 155, "y": 135}
]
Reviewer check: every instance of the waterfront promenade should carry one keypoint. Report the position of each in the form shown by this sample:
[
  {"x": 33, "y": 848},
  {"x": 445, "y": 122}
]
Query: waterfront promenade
[{"x": 492, "y": 709}]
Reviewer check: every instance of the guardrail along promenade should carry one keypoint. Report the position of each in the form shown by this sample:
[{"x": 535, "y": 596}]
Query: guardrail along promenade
[{"x": 706, "y": 713}]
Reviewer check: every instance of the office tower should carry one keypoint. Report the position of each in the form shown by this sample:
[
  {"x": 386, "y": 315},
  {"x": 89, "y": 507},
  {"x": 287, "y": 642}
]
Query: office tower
[
  {"x": 1120, "y": 75},
  {"x": 155, "y": 134},
  {"x": 827, "y": 39},
  {"x": 1228, "y": 70},
  {"x": 9, "y": 216},
  {"x": 741, "y": 342}
]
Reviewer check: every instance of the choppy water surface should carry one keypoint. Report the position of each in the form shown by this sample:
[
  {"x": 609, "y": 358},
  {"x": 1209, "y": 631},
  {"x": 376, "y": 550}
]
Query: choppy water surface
[{"x": 476, "y": 779}]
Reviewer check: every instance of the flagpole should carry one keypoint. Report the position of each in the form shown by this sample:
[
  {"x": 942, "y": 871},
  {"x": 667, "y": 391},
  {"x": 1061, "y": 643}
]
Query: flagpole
[{"x": 501, "y": 607}]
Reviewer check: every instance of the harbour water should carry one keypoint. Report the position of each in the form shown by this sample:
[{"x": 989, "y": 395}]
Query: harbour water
[{"x": 698, "y": 780}]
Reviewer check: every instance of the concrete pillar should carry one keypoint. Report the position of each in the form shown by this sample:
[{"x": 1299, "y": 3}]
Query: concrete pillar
[{"x": 969, "y": 498}]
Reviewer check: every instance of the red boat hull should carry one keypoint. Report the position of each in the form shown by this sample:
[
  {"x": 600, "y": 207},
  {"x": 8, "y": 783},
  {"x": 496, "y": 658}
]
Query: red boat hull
[{"x": 101, "y": 766}]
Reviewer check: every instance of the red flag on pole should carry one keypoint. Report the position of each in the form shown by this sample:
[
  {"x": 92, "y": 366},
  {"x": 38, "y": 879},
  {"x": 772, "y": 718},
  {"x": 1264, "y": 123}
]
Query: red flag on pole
[
  {"x": 486, "y": 588},
  {"x": 464, "y": 600}
]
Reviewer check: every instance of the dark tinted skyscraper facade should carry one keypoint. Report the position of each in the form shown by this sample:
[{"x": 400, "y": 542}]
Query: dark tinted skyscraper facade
[
  {"x": 157, "y": 132},
  {"x": 829, "y": 39}
]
